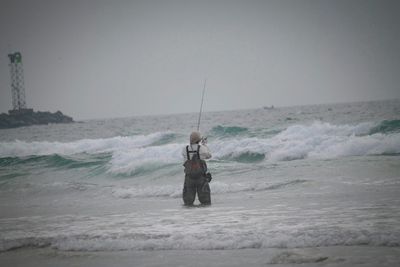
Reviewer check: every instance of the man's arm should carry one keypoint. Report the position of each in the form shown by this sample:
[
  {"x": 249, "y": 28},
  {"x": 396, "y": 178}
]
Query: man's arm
[{"x": 204, "y": 152}]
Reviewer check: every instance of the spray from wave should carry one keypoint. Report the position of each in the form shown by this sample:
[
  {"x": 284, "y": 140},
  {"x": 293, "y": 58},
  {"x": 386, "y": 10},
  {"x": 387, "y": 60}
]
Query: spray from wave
[
  {"x": 318, "y": 140},
  {"x": 140, "y": 154}
]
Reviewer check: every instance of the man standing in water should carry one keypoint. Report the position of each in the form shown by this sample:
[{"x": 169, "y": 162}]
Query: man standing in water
[{"x": 196, "y": 175}]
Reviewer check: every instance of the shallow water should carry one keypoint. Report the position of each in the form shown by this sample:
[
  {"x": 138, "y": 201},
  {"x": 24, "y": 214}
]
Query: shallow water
[{"x": 296, "y": 177}]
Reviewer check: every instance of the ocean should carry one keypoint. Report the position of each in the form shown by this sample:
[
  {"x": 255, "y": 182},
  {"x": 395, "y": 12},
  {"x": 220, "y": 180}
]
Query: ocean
[{"x": 316, "y": 184}]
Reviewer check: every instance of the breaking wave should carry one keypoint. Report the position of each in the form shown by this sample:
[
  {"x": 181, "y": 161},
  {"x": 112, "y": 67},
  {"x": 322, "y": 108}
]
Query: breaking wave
[
  {"x": 139, "y": 160},
  {"x": 89, "y": 146},
  {"x": 140, "y": 154},
  {"x": 386, "y": 126},
  {"x": 318, "y": 140}
]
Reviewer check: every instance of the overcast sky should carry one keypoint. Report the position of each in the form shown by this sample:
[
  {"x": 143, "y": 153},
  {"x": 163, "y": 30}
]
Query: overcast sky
[{"x": 101, "y": 59}]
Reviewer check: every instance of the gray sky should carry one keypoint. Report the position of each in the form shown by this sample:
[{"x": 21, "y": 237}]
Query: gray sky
[{"x": 99, "y": 59}]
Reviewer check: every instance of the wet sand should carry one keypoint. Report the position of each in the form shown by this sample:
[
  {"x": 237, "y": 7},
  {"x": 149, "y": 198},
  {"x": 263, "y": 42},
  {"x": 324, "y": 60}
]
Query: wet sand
[{"x": 321, "y": 256}]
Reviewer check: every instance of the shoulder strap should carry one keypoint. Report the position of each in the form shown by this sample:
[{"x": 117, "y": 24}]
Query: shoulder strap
[
  {"x": 187, "y": 152},
  {"x": 198, "y": 151}
]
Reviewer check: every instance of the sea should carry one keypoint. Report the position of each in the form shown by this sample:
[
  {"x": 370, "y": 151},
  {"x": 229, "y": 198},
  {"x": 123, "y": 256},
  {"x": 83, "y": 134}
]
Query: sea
[{"x": 302, "y": 184}]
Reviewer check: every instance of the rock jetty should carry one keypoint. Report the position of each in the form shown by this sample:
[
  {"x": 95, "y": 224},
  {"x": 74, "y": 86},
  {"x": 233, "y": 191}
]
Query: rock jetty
[{"x": 27, "y": 117}]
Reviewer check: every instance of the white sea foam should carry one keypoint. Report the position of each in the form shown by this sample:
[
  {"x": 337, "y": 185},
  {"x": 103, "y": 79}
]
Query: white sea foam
[
  {"x": 132, "y": 155},
  {"x": 129, "y": 161},
  {"x": 217, "y": 187},
  {"x": 319, "y": 140},
  {"x": 91, "y": 146},
  {"x": 211, "y": 228},
  {"x": 151, "y": 191}
]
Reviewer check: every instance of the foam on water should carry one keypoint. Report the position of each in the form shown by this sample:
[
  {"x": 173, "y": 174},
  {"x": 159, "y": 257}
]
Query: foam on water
[
  {"x": 146, "y": 153},
  {"x": 318, "y": 140},
  {"x": 131, "y": 161},
  {"x": 217, "y": 187},
  {"x": 323, "y": 140},
  {"x": 211, "y": 228},
  {"x": 90, "y": 146}
]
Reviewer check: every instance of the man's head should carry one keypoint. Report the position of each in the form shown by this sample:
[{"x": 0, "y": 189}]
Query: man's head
[{"x": 195, "y": 138}]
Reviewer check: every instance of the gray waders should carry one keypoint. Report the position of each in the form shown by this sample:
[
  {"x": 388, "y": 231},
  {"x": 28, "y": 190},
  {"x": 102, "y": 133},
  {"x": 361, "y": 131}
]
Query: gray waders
[{"x": 199, "y": 186}]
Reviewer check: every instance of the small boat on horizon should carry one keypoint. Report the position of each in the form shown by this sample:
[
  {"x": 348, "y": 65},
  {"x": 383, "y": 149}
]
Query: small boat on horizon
[{"x": 269, "y": 107}]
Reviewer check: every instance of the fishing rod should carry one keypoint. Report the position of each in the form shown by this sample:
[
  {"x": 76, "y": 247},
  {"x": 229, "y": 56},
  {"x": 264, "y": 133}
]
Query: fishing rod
[{"x": 201, "y": 105}]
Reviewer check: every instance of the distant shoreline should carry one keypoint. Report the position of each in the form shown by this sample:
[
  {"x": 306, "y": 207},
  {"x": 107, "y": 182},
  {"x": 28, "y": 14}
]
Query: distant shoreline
[{"x": 27, "y": 117}]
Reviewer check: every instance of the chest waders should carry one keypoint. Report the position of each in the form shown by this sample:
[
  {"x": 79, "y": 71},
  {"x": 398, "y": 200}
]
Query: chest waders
[{"x": 195, "y": 179}]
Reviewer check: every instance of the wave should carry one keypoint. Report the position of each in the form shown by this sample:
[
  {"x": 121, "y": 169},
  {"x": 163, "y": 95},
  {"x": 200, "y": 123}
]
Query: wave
[
  {"x": 222, "y": 229},
  {"x": 89, "y": 146},
  {"x": 58, "y": 161},
  {"x": 164, "y": 139},
  {"x": 142, "y": 160},
  {"x": 318, "y": 140},
  {"x": 224, "y": 131},
  {"x": 118, "y": 155},
  {"x": 142, "y": 154},
  {"x": 386, "y": 126}
]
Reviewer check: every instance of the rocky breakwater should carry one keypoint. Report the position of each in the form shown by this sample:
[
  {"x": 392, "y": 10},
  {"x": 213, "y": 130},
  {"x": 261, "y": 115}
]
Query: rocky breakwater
[{"x": 27, "y": 117}]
